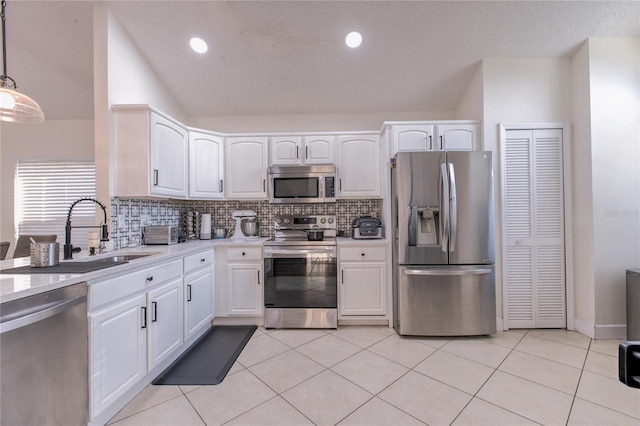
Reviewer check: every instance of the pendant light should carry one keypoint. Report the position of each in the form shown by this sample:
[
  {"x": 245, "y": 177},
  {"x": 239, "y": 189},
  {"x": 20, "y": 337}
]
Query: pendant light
[{"x": 15, "y": 106}]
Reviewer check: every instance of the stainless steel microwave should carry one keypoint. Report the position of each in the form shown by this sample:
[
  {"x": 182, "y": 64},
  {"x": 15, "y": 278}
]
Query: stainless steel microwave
[{"x": 302, "y": 184}]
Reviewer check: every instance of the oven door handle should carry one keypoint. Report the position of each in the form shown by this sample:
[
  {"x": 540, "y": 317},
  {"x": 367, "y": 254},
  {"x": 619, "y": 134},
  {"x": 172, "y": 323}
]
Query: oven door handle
[{"x": 299, "y": 253}]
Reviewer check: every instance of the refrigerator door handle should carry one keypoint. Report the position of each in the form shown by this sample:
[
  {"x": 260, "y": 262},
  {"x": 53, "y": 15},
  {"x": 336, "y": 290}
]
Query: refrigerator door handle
[
  {"x": 444, "y": 207},
  {"x": 443, "y": 272},
  {"x": 453, "y": 215}
]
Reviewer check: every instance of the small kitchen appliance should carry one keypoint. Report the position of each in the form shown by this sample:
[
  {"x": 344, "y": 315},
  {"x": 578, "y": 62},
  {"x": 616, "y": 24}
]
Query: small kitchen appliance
[
  {"x": 367, "y": 227},
  {"x": 160, "y": 235},
  {"x": 246, "y": 224}
]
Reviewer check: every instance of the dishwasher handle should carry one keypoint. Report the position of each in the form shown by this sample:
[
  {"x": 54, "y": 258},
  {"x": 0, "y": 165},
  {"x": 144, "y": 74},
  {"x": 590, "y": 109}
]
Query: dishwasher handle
[{"x": 47, "y": 311}]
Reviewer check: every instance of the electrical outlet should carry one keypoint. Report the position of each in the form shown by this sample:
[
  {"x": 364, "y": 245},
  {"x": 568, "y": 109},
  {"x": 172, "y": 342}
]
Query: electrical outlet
[
  {"x": 145, "y": 220},
  {"x": 121, "y": 222}
]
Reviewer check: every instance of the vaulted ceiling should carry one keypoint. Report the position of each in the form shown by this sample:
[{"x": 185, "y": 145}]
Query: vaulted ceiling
[{"x": 289, "y": 57}]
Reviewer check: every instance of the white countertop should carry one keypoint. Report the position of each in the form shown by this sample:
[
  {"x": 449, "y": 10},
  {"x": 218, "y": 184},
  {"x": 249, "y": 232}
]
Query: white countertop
[{"x": 17, "y": 286}]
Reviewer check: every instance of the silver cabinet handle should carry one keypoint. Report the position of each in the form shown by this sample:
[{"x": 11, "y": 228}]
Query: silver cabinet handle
[
  {"x": 306, "y": 152},
  {"x": 48, "y": 311},
  {"x": 154, "y": 317},
  {"x": 430, "y": 142},
  {"x": 297, "y": 156},
  {"x": 188, "y": 292},
  {"x": 155, "y": 177},
  {"x": 258, "y": 277},
  {"x": 221, "y": 185},
  {"x": 441, "y": 144}
]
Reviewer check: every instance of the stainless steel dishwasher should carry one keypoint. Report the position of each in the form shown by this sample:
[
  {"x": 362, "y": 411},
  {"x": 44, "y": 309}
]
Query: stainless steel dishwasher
[{"x": 43, "y": 358}]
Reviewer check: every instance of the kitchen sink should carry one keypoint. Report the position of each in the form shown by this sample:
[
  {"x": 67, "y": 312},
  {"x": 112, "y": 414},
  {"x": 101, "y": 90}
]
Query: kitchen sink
[{"x": 122, "y": 258}]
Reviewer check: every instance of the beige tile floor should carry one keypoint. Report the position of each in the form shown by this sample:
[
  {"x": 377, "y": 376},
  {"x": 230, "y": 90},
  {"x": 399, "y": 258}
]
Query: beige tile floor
[{"x": 371, "y": 376}]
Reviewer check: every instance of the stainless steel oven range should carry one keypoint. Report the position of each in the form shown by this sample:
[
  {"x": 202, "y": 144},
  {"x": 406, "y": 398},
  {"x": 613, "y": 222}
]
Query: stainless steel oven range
[{"x": 301, "y": 276}]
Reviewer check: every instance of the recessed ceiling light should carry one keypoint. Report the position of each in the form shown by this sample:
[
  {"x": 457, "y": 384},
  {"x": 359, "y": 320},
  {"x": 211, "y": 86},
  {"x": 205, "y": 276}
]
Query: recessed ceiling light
[
  {"x": 198, "y": 45},
  {"x": 353, "y": 39}
]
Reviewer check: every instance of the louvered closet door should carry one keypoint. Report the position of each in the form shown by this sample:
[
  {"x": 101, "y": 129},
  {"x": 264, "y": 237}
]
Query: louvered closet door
[{"x": 534, "y": 265}]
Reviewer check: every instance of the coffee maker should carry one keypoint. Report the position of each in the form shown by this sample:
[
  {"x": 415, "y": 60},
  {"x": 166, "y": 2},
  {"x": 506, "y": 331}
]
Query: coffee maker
[{"x": 246, "y": 224}]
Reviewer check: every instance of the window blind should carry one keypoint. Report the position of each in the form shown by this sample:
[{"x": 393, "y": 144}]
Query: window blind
[{"x": 44, "y": 191}]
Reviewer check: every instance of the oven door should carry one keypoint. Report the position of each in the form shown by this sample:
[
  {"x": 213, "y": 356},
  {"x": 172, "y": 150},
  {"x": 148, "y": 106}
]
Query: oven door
[
  {"x": 299, "y": 277},
  {"x": 296, "y": 188}
]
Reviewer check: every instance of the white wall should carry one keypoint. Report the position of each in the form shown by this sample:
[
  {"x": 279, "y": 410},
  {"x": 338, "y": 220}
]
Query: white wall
[
  {"x": 614, "y": 70},
  {"x": 471, "y": 106},
  {"x": 520, "y": 91},
  {"x": 51, "y": 140}
]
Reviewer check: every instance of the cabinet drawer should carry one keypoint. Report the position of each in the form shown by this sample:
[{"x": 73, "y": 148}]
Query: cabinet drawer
[
  {"x": 114, "y": 288},
  {"x": 362, "y": 254},
  {"x": 244, "y": 253},
  {"x": 198, "y": 260}
]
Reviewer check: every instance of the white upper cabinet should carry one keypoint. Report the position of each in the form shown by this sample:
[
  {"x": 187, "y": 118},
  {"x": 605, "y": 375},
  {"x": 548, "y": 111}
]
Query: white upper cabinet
[
  {"x": 457, "y": 137},
  {"x": 150, "y": 154},
  {"x": 319, "y": 149},
  {"x": 285, "y": 150},
  {"x": 413, "y": 137},
  {"x": 206, "y": 165},
  {"x": 433, "y": 136},
  {"x": 359, "y": 167},
  {"x": 246, "y": 167},
  {"x": 298, "y": 150}
]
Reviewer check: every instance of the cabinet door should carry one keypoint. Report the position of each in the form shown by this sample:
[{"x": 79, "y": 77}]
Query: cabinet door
[
  {"x": 168, "y": 157},
  {"x": 285, "y": 150},
  {"x": 319, "y": 150},
  {"x": 457, "y": 137},
  {"x": 246, "y": 168},
  {"x": 198, "y": 301},
  {"x": 412, "y": 138},
  {"x": 362, "y": 288},
  {"x": 206, "y": 166},
  {"x": 165, "y": 321},
  {"x": 245, "y": 289},
  {"x": 118, "y": 351},
  {"x": 359, "y": 166}
]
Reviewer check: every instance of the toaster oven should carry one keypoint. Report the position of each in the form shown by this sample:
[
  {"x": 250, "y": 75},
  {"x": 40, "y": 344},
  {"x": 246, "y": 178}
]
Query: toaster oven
[{"x": 160, "y": 235}]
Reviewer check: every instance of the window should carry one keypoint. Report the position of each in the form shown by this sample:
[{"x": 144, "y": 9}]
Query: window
[{"x": 44, "y": 191}]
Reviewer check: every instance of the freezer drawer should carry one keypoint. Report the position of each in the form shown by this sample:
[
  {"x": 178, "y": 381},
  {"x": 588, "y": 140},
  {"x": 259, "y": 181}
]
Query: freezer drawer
[{"x": 445, "y": 301}]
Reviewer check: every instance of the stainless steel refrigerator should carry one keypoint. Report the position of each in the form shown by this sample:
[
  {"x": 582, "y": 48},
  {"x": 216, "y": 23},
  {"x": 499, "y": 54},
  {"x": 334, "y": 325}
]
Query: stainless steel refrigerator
[{"x": 443, "y": 256}]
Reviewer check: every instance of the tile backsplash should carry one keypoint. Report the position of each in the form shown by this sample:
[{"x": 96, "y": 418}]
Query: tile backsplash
[{"x": 129, "y": 215}]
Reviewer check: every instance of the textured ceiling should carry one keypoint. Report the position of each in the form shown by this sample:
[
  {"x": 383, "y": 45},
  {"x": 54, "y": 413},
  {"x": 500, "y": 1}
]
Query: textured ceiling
[{"x": 272, "y": 57}]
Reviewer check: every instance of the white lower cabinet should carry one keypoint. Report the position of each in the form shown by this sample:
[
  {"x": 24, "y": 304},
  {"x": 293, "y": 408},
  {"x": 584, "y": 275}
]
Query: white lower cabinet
[
  {"x": 199, "y": 293},
  {"x": 240, "y": 292},
  {"x": 118, "y": 350},
  {"x": 164, "y": 316},
  {"x": 136, "y": 323},
  {"x": 362, "y": 281},
  {"x": 245, "y": 289}
]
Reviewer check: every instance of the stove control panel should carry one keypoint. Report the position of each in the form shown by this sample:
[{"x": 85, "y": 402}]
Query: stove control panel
[{"x": 282, "y": 222}]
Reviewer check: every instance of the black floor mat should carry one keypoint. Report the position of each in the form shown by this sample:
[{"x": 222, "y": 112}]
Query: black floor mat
[{"x": 208, "y": 360}]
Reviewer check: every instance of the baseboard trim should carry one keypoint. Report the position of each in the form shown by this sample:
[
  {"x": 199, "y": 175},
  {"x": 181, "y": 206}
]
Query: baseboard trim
[
  {"x": 584, "y": 327},
  {"x": 601, "y": 332},
  {"x": 611, "y": 332}
]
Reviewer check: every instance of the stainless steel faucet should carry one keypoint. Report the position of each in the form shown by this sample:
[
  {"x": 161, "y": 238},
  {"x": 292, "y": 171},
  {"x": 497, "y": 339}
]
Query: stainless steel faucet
[{"x": 68, "y": 248}]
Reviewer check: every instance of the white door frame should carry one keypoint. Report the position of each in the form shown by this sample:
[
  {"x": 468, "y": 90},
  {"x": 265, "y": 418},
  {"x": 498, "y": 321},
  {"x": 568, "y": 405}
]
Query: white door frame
[{"x": 568, "y": 214}]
